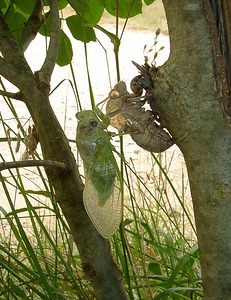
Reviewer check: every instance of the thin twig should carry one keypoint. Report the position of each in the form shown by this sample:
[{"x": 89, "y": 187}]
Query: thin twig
[
  {"x": 33, "y": 163},
  {"x": 17, "y": 96},
  {"x": 49, "y": 63},
  {"x": 32, "y": 25}
]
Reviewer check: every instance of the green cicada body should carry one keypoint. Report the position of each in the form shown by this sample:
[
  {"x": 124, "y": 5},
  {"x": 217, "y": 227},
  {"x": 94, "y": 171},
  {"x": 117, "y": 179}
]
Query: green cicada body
[{"x": 102, "y": 194}]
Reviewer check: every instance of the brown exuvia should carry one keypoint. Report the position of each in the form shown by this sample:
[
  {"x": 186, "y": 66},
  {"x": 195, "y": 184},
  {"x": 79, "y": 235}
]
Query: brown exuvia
[{"x": 127, "y": 114}]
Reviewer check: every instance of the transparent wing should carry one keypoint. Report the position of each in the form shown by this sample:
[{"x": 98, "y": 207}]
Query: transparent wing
[{"x": 107, "y": 216}]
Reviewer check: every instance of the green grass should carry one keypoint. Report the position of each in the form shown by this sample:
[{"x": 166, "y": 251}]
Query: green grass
[
  {"x": 155, "y": 248},
  {"x": 162, "y": 250}
]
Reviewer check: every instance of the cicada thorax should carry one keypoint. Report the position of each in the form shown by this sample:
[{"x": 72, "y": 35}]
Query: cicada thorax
[{"x": 100, "y": 169}]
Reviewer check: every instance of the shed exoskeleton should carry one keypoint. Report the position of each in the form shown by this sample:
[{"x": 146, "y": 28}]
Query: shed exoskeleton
[{"x": 128, "y": 114}]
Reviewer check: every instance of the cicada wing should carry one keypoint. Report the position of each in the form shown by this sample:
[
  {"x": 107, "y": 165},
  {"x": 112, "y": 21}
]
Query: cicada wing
[{"x": 106, "y": 217}]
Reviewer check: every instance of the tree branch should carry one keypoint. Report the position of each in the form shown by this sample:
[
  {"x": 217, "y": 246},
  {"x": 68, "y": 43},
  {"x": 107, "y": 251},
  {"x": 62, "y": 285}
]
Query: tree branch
[
  {"x": 32, "y": 25},
  {"x": 15, "y": 67},
  {"x": 17, "y": 96},
  {"x": 33, "y": 163},
  {"x": 8, "y": 71},
  {"x": 49, "y": 63}
]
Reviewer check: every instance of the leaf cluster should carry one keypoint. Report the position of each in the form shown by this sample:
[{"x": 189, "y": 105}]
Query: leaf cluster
[{"x": 26, "y": 18}]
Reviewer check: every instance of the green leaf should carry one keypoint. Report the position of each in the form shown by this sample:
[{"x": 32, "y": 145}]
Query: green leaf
[
  {"x": 154, "y": 267},
  {"x": 149, "y": 230},
  {"x": 16, "y": 23},
  {"x": 62, "y": 4},
  {"x": 4, "y": 4},
  {"x": 24, "y": 210},
  {"x": 90, "y": 10},
  {"x": 148, "y": 2},
  {"x": 79, "y": 30},
  {"x": 25, "y": 6},
  {"x": 2, "y": 209},
  {"x": 114, "y": 39},
  {"x": 65, "y": 50},
  {"x": 45, "y": 29},
  {"x": 181, "y": 264},
  {"x": 126, "y": 9},
  {"x": 41, "y": 193},
  {"x": 127, "y": 222}
]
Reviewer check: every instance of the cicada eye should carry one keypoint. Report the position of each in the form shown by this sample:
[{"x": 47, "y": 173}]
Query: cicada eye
[{"x": 93, "y": 123}]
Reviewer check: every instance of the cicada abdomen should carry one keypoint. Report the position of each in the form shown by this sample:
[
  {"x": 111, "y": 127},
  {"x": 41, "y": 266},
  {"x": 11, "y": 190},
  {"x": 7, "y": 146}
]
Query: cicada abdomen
[
  {"x": 104, "y": 209},
  {"x": 153, "y": 138}
]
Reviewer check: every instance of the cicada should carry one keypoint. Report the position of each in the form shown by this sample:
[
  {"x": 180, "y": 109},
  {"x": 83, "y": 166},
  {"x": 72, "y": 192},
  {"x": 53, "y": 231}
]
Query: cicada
[{"x": 102, "y": 191}]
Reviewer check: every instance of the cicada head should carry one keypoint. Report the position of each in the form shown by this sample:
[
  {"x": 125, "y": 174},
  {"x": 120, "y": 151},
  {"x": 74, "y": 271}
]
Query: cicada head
[
  {"x": 120, "y": 88},
  {"x": 89, "y": 125}
]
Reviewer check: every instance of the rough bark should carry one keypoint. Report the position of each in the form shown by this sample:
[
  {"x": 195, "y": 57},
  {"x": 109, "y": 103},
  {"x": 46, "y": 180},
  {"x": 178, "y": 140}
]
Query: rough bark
[
  {"x": 94, "y": 250},
  {"x": 186, "y": 93},
  {"x": 222, "y": 15}
]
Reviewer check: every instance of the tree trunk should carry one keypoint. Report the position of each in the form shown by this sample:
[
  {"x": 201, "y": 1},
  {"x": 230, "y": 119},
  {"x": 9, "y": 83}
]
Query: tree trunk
[
  {"x": 94, "y": 250},
  {"x": 186, "y": 93}
]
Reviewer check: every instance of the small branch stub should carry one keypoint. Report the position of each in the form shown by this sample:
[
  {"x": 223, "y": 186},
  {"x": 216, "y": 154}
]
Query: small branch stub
[
  {"x": 33, "y": 163},
  {"x": 16, "y": 96}
]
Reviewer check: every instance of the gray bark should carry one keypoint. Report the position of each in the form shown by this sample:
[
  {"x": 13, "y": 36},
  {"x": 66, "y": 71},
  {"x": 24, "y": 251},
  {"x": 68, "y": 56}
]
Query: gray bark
[{"x": 186, "y": 93}]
